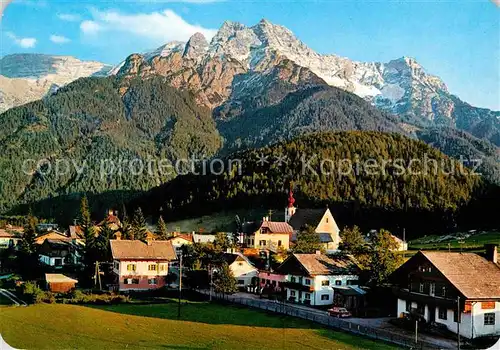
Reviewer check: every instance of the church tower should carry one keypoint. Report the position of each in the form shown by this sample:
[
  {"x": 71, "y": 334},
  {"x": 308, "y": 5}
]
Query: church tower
[{"x": 290, "y": 209}]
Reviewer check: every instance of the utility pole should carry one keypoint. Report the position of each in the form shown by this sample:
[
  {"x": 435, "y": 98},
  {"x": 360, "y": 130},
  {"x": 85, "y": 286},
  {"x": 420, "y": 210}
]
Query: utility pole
[
  {"x": 458, "y": 322},
  {"x": 180, "y": 286},
  {"x": 416, "y": 331},
  {"x": 211, "y": 281}
]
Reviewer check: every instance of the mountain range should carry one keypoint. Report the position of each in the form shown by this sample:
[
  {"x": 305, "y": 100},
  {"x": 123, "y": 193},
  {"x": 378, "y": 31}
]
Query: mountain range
[
  {"x": 248, "y": 87},
  {"x": 29, "y": 77}
]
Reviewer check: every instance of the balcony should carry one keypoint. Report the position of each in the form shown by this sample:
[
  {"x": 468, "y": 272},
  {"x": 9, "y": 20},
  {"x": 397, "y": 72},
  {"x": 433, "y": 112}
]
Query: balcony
[{"x": 406, "y": 294}]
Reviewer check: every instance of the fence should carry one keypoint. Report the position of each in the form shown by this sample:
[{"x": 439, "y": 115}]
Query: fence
[{"x": 331, "y": 322}]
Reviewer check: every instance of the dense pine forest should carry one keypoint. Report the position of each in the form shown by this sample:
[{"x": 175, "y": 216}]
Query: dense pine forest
[
  {"x": 97, "y": 124},
  {"x": 448, "y": 199}
]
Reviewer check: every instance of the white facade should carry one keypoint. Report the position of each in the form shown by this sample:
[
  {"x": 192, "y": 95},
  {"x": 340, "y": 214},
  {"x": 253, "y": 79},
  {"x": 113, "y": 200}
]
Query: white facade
[
  {"x": 473, "y": 324},
  {"x": 140, "y": 268},
  {"x": 243, "y": 271},
  {"x": 321, "y": 288}
]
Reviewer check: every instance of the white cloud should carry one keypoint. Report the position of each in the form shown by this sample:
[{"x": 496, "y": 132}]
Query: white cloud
[
  {"x": 68, "y": 17},
  {"x": 26, "y": 43},
  {"x": 90, "y": 27},
  {"x": 59, "y": 39},
  {"x": 157, "y": 27}
]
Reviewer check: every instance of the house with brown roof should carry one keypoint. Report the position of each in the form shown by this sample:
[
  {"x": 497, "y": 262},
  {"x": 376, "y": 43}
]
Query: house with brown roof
[
  {"x": 316, "y": 279},
  {"x": 269, "y": 235},
  {"x": 10, "y": 237},
  {"x": 447, "y": 288},
  {"x": 139, "y": 265}
]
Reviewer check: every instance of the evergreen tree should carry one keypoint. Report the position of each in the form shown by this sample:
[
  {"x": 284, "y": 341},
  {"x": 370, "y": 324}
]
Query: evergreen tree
[
  {"x": 221, "y": 242},
  {"x": 224, "y": 281},
  {"x": 89, "y": 251},
  {"x": 352, "y": 241},
  {"x": 102, "y": 243},
  {"x": 384, "y": 257},
  {"x": 27, "y": 257},
  {"x": 308, "y": 242},
  {"x": 161, "y": 230},
  {"x": 139, "y": 229}
]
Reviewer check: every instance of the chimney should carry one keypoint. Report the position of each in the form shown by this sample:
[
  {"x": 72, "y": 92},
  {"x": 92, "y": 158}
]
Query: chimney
[
  {"x": 110, "y": 212},
  {"x": 492, "y": 252},
  {"x": 118, "y": 236},
  {"x": 318, "y": 252},
  {"x": 149, "y": 240}
]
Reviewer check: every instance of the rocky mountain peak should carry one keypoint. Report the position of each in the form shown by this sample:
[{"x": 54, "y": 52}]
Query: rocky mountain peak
[{"x": 196, "y": 46}]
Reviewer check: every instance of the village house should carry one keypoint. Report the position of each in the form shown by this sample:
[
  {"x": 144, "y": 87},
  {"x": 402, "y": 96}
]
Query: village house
[
  {"x": 321, "y": 220},
  {"x": 139, "y": 265},
  {"x": 180, "y": 239},
  {"x": 316, "y": 279},
  {"x": 268, "y": 235},
  {"x": 272, "y": 280},
  {"x": 60, "y": 252},
  {"x": 10, "y": 237},
  {"x": 242, "y": 269},
  {"x": 447, "y": 287}
]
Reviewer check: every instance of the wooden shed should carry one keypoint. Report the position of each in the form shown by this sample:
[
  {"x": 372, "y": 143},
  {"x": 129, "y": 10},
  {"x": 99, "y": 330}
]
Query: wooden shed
[{"x": 59, "y": 283}]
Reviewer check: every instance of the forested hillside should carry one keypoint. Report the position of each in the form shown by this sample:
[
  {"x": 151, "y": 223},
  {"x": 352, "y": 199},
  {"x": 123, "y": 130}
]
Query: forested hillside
[
  {"x": 395, "y": 198},
  {"x": 99, "y": 133}
]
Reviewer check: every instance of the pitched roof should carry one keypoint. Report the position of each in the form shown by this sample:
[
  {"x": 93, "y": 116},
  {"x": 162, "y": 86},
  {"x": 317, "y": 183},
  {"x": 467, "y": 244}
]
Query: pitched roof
[
  {"x": 303, "y": 217},
  {"x": 231, "y": 257},
  {"x": 473, "y": 275},
  {"x": 185, "y": 236},
  {"x": 126, "y": 249},
  {"x": 52, "y": 235},
  {"x": 277, "y": 227},
  {"x": 320, "y": 264},
  {"x": 58, "y": 278},
  {"x": 9, "y": 234}
]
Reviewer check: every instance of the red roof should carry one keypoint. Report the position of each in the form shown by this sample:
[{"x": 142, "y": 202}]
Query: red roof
[{"x": 277, "y": 227}]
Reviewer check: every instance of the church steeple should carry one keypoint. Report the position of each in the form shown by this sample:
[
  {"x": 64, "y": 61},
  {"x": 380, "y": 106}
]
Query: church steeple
[{"x": 290, "y": 209}]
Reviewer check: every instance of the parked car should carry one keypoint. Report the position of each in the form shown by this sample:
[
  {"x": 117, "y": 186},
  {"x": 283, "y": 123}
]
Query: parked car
[{"x": 340, "y": 312}]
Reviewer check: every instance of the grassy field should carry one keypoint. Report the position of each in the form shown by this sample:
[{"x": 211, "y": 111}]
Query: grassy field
[
  {"x": 476, "y": 241},
  {"x": 222, "y": 221},
  {"x": 202, "y": 326}
]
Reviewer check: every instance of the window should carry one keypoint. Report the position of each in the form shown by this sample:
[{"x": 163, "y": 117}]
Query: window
[
  {"x": 307, "y": 282},
  {"x": 240, "y": 264},
  {"x": 455, "y": 316},
  {"x": 327, "y": 220},
  {"x": 338, "y": 282},
  {"x": 292, "y": 293},
  {"x": 162, "y": 267},
  {"x": 279, "y": 243},
  {"x": 325, "y": 297},
  {"x": 241, "y": 282},
  {"x": 131, "y": 267},
  {"x": 116, "y": 265},
  {"x": 152, "y": 267},
  {"x": 443, "y": 291},
  {"x": 131, "y": 281},
  {"x": 292, "y": 279},
  {"x": 151, "y": 281},
  {"x": 252, "y": 241},
  {"x": 325, "y": 283},
  {"x": 489, "y": 319},
  {"x": 421, "y": 287},
  {"x": 307, "y": 296},
  {"x": 352, "y": 282},
  {"x": 443, "y": 313},
  {"x": 432, "y": 289},
  {"x": 408, "y": 305},
  {"x": 262, "y": 243}
]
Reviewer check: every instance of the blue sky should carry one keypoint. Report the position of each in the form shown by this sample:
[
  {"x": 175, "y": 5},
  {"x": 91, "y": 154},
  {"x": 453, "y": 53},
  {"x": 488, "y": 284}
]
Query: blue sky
[{"x": 457, "y": 40}]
